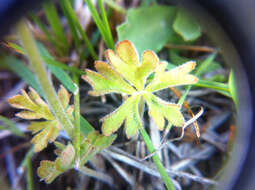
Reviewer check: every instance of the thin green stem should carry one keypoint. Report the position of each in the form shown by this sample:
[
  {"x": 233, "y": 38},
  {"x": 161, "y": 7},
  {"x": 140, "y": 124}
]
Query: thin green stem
[
  {"x": 30, "y": 182},
  {"x": 77, "y": 135},
  {"x": 156, "y": 160},
  {"x": 151, "y": 149},
  {"x": 39, "y": 69}
]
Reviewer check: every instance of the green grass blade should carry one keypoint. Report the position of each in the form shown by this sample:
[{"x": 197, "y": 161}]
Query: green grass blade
[
  {"x": 201, "y": 68},
  {"x": 75, "y": 20},
  {"x": 86, "y": 127},
  {"x": 71, "y": 24},
  {"x": 99, "y": 23},
  {"x": 10, "y": 125},
  {"x": 62, "y": 76},
  {"x": 49, "y": 60},
  {"x": 213, "y": 85},
  {"x": 46, "y": 32},
  {"x": 55, "y": 23},
  {"x": 106, "y": 23},
  {"x": 23, "y": 72}
]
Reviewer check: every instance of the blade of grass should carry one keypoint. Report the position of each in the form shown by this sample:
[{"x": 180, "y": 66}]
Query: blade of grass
[
  {"x": 86, "y": 127},
  {"x": 106, "y": 23},
  {"x": 220, "y": 87},
  {"x": 46, "y": 32},
  {"x": 99, "y": 24},
  {"x": 71, "y": 13},
  {"x": 204, "y": 64},
  {"x": 71, "y": 24},
  {"x": 23, "y": 72},
  {"x": 62, "y": 76},
  {"x": 10, "y": 125},
  {"x": 55, "y": 23},
  {"x": 49, "y": 60}
]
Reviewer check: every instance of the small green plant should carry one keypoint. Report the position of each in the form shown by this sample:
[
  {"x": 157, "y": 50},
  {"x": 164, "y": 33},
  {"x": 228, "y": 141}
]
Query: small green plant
[
  {"x": 126, "y": 75},
  {"x": 47, "y": 131},
  {"x": 123, "y": 72}
]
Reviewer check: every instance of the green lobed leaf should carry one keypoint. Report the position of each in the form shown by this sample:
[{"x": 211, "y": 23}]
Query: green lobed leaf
[
  {"x": 186, "y": 25},
  {"x": 148, "y": 27}
]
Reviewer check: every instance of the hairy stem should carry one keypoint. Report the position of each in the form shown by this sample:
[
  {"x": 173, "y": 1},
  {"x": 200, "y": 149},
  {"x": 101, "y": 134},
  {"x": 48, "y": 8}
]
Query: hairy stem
[
  {"x": 77, "y": 132},
  {"x": 39, "y": 69}
]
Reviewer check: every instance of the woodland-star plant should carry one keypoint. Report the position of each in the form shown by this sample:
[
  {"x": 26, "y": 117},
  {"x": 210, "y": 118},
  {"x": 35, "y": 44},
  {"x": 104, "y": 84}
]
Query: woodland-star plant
[{"x": 125, "y": 74}]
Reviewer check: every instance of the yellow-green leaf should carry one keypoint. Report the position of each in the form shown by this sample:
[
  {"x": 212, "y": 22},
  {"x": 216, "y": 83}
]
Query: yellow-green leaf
[
  {"x": 113, "y": 121},
  {"x": 127, "y": 52},
  {"x": 35, "y": 108},
  {"x": 175, "y": 77},
  {"x": 149, "y": 63},
  {"x": 168, "y": 110},
  {"x": 47, "y": 171},
  {"x": 66, "y": 157},
  {"x": 63, "y": 96},
  {"x": 94, "y": 143},
  {"x": 106, "y": 80},
  {"x": 47, "y": 132},
  {"x": 123, "y": 68},
  {"x": 133, "y": 121}
]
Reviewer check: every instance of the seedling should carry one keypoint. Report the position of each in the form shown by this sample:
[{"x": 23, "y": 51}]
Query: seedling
[{"x": 126, "y": 75}]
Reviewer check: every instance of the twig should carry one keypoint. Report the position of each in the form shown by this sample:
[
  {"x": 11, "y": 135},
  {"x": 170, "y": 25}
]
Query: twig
[{"x": 191, "y": 48}]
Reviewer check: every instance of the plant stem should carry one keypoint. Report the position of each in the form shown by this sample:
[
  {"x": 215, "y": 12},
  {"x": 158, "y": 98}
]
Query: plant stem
[
  {"x": 41, "y": 73},
  {"x": 77, "y": 132},
  {"x": 156, "y": 160},
  {"x": 30, "y": 183},
  {"x": 155, "y": 157}
]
